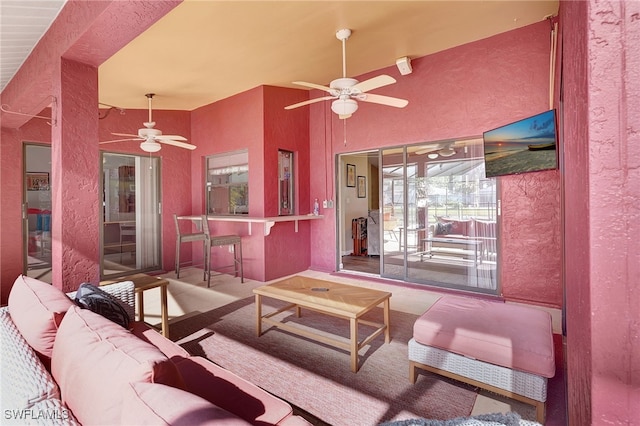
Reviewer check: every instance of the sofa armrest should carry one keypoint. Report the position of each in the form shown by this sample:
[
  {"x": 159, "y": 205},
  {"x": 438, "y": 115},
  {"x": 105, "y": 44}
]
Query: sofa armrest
[{"x": 123, "y": 291}]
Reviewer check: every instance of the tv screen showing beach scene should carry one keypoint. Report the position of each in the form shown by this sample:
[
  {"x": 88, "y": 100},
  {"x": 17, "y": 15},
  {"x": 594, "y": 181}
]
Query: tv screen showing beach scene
[{"x": 528, "y": 145}]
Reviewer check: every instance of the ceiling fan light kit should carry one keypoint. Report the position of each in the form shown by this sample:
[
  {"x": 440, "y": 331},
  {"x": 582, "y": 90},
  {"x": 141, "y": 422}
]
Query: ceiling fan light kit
[
  {"x": 344, "y": 106},
  {"x": 346, "y": 92},
  {"x": 150, "y": 146}
]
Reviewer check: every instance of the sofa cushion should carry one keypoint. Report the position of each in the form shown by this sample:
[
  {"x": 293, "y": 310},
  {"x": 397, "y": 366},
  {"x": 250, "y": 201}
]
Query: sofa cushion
[
  {"x": 226, "y": 390},
  {"x": 157, "y": 404},
  {"x": 99, "y": 301},
  {"x": 509, "y": 335},
  {"x": 93, "y": 361},
  {"x": 37, "y": 309},
  {"x": 25, "y": 381}
]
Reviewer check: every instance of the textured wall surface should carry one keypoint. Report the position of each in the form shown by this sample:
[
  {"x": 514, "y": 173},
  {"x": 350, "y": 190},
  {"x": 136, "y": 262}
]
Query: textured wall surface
[
  {"x": 30, "y": 90},
  {"x": 602, "y": 189},
  {"x": 458, "y": 93}
]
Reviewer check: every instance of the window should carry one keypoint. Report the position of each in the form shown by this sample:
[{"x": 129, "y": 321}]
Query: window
[{"x": 227, "y": 183}]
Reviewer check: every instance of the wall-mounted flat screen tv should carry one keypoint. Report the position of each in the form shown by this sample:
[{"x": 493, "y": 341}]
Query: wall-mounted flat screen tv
[{"x": 527, "y": 145}]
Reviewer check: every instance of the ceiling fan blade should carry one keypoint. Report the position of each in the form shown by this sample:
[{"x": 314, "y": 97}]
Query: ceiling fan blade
[
  {"x": 122, "y": 140},
  {"x": 177, "y": 143},
  {"x": 171, "y": 137},
  {"x": 125, "y": 134},
  {"x": 310, "y": 101},
  {"x": 313, "y": 86},
  {"x": 384, "y": 100},
  {"x": 374, "y": 83},
  {"x": 430, "y": 148}
]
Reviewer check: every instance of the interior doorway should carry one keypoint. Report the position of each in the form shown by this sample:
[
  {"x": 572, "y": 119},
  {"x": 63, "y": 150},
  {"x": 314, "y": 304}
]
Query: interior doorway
[
  {"x": 360, "y": 235},
  {"x": 37, "y": 211}
]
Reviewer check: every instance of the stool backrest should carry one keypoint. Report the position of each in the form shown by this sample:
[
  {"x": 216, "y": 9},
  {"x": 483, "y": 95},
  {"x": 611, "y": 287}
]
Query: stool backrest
[
  {"x": 205, "y": 226},
  {"x": 190, "y": 235}
]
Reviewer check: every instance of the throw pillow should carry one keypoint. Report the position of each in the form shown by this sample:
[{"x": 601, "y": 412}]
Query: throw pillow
[
  {"x": 96, "y": 300},
  {"x": 443, "y": 228},
  {"x": 37, "y": 308}
]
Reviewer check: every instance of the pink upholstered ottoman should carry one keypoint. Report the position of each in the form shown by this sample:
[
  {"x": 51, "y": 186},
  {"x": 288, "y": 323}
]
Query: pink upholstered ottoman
[{"x": 504, "y": 348}]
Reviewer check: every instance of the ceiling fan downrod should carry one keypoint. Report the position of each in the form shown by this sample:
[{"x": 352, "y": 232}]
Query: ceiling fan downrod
[
  {"x": 150, "y": 123},
  {"x": 343, "y": 35}
]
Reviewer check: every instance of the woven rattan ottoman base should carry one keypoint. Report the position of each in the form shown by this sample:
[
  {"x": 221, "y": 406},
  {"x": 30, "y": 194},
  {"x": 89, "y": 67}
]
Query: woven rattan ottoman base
[{"x": 525, "y": 387}]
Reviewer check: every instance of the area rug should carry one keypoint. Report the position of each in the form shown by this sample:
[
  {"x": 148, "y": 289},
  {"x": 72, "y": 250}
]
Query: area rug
[
  {"x": 316, "y": 377},
  {"x": 496, "y": 419}
]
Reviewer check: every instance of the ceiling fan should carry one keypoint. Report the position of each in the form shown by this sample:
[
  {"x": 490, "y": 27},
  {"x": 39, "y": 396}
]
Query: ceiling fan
[
  {"x": 345, "y": 91},
  {"x": 444, "y": 149},
  {"x": 152, "y": 138}
]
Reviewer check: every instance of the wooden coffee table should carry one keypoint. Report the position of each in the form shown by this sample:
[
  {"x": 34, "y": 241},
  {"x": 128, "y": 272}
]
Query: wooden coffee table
[
  {"x": 339, "y": 300},
  {"x": 144, "y": 282}
]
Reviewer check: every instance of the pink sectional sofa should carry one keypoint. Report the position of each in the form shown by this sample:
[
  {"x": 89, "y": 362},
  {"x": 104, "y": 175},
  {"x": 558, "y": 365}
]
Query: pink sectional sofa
[{"x": 67, "y": 365}]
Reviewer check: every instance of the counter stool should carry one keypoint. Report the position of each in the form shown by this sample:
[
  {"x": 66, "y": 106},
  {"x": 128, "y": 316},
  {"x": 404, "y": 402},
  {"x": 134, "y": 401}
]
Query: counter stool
[
  {"x": 219, "y": 241},
  {"x": 189, "y": 238}
]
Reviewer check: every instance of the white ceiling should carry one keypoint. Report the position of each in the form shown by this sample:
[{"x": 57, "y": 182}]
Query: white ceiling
[
  {"x": 204, "y": 51},
  {"x": 22, "y": 24}
]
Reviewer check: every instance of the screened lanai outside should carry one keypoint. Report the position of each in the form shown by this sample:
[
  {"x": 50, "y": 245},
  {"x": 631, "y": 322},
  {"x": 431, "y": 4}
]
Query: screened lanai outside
[{"x": 440, "y": 216}]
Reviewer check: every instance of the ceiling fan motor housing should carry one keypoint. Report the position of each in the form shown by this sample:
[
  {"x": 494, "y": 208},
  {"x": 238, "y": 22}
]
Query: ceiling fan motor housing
[{"x": 146, "y": 132}]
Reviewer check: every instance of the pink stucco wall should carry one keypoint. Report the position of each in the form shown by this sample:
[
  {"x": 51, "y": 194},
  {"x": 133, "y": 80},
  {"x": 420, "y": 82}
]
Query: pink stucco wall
[
  {"x": 457, "y": 93},
  {"x": 256, "y": 120},
  {"x": 602, "y": 189},
  {"x": 84, "y": 35}
]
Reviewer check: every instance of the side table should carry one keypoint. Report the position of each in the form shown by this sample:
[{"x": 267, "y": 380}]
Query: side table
[{"x": 144, "y": 282}]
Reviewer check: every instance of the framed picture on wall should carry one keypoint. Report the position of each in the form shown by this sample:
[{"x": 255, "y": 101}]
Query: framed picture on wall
[
  {"x": 362, "y": 187},
  {"x": 351, "y": 175},
  {"x": 37, "y": 181}
]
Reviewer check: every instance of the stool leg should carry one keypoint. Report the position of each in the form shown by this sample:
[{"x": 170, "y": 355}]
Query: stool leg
[
  {"x": 208, "y": 263},
  {"x": 241, "y": 270},
  {"x": 236, "y": 269},
  {"x": 178, "y": 258}
]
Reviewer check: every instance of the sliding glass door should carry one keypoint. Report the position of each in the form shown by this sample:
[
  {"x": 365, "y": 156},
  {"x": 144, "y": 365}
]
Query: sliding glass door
[
  {"x": 130, "y": 220},
  {"x": 439, "y": 216},
  {"x": 37, "y": 211}
]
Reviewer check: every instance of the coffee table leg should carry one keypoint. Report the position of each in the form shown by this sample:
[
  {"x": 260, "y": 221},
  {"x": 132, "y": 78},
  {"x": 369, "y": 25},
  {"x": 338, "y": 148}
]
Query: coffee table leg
[
  {"x": 387, "y": 322},
  {"x": 141, "y": 306},
  {"x": 165, "y": 311},
  {"x": 354, "y": 344},
  {"x": 258, "y": 315}
]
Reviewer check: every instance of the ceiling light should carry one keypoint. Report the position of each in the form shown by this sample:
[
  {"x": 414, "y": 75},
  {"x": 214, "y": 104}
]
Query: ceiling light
[
  {"x": 344, "y": 106},
  {"x": 150, "y": 146},
  {"x": 447, "y": 152},
  {"x": 433, "y": 155}
]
